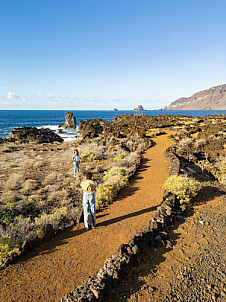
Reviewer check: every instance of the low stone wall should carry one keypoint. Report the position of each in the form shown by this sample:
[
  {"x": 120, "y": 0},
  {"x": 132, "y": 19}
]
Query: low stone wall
[
  {"x": 101, "y": 283},
  {"x": 173, "y": 160}
]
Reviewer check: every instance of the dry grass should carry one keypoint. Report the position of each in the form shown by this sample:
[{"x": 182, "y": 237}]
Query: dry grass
[
  {"x": 50, "y": 178},
  {"x": 9, "y": 196},
  {"x": 129, "y": 160},
  {"x": 96, "y": 150},
  {"x": 184, "y": 143},
  {"x": 29, "y": 186},
  {"x": 199, "y": 142},
  {"x": 38, "y": 187},
  {"x": 14, "y": 181}
]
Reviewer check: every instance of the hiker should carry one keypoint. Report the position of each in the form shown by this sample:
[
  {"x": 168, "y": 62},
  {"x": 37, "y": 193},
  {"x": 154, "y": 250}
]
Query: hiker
[
  {"x": 75, "y": 159},
  {"x": 89, "y": 186}
]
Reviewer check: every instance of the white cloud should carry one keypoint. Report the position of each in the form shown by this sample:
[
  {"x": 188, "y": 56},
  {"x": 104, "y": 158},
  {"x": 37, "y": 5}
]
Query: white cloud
[
  {"x": 11, "y": 95},
  {"x": 50, "y": 101}
]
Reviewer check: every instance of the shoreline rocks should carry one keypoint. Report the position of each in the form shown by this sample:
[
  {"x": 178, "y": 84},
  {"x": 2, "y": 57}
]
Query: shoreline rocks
[{"x": 34, "y": 135}]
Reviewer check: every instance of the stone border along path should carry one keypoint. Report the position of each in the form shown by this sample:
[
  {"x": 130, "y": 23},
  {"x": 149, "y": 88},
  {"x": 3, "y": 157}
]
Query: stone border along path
[{"x": 58, "y": 266}]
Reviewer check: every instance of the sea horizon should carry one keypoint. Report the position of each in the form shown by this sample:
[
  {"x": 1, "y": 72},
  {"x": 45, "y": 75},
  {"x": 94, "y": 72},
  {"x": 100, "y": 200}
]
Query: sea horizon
[
  {"x": 173, "y": 112},
  {"x": 53, "y": 118}
]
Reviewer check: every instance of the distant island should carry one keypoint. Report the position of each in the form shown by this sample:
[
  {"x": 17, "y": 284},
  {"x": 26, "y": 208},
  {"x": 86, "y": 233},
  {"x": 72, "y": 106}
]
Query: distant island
[
  {"x": 139, "y": 109},
  {"x": 115, "y": 109},
  {"x": 210, "y": 99}
]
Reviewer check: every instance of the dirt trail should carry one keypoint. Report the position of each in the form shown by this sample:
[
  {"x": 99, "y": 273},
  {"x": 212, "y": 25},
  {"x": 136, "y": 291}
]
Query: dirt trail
[{"x": 55, "y": 268}]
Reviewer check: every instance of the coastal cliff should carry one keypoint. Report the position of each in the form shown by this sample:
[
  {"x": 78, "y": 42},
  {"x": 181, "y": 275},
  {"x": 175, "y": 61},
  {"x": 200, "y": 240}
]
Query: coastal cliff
[{"x": 209, "y": 99}]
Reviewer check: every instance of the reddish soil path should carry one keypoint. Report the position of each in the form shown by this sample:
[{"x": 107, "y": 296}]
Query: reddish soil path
[{"x": 56, "y": 267}]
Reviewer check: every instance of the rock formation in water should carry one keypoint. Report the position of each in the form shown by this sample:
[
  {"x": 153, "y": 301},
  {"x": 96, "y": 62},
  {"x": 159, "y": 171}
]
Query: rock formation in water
[
  {"x": 209, "y": 99},
  {"x": 70, "y": 121}
]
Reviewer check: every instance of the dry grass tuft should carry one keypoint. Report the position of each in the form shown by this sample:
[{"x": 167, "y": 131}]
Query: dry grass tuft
[
  {"x": 29, "y": 185},
  {"x": 14, "y": 181}
]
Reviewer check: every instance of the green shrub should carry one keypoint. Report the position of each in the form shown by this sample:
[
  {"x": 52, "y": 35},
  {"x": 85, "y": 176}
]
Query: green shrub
[
  {"x": 7, "y": 248},
  {"x": 7, "y": 213},
  {"x": 114, "y": 179},
  {"x": 56, "y": 218},
  {"x": 152, "y": 132},
  {"x": 220, "y": 170},
  {"x": 10, "y": 211},
  {"x": 21, "y": 229},
  {"x": 119, "y": 156},
  {"x": 114, "y": 171},
  {"x": 88, "y": 156},
  {"x": 222, "y": 177},
  {"x": 184, "y": 188}
]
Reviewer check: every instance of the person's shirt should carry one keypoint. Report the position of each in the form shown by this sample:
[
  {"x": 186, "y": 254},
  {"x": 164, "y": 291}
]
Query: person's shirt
[
  {"x": 85, "y": 192},
  {"x": 75, "y": 158}
]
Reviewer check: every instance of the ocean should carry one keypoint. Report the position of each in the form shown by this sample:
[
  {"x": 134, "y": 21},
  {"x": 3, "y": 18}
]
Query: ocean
[{"x": 10, "y": 119}]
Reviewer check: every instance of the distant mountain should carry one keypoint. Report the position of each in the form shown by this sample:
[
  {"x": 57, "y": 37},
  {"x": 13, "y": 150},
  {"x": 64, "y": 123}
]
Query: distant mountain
[{"x": 209, "y": 99}]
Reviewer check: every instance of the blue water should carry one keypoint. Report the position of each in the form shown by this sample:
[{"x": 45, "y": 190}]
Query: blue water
[{"x": 10, "y": 119}]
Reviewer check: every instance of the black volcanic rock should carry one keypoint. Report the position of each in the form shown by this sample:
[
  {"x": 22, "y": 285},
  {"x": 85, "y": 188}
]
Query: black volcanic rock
[
  {"x": 90, "y": 128},
  {"x": 123, "y": 126},
  {"x": 34, "y": 135}
]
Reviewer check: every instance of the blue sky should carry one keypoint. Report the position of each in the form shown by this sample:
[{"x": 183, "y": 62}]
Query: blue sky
[{"x": 100, "y": 54}]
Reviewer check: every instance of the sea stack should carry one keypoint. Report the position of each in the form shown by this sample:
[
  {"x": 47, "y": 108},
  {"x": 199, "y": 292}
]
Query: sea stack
[{"x": 70, "y": 121}]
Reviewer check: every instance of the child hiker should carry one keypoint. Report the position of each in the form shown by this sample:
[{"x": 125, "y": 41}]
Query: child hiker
[{"x": 75, "y": 159}]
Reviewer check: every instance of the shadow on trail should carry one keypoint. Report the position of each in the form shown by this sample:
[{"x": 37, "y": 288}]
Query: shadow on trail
[
  {"x": 101, "y": 215},
  {"x": 51, "y": 246},
  {"x": 117, "y": 219},
  {"x": 130, "y": 281},
  {"x": 131, "y": 188}
]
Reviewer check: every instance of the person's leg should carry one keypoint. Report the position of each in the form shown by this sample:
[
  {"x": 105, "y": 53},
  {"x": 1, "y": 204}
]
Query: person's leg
[
  {"x": 93, "y": 207},
  {"x": 85, "y": 209},
  {"x": 74, "y": 168}
]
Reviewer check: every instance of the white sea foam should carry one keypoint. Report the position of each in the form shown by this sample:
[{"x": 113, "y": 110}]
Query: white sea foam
[{"x": 67, "y": 134}]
